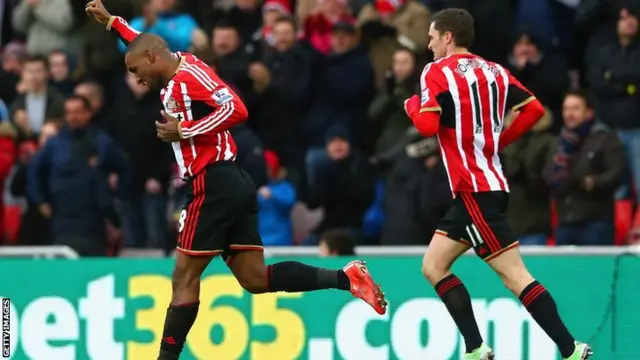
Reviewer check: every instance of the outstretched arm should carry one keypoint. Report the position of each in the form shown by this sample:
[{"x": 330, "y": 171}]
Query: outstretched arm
[{"x": 96, "y": 9}]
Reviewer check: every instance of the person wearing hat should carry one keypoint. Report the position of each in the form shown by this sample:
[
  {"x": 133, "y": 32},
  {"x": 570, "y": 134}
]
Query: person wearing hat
[
  {"x": 320, "y": 24},
  {"x": 343, "y": 186},
  {"x": 275, "y": 201},
  {"x": 546, "y": 75},
  {"x": 338, "y": 100}
]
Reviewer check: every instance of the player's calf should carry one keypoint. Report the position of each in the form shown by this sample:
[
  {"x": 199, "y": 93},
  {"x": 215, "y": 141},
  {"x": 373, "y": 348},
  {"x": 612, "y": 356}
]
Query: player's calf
[
  {"x": 436, "y": 267},
  {"x": 535, "y": 297},
  {"x": 183, "y": 309}
]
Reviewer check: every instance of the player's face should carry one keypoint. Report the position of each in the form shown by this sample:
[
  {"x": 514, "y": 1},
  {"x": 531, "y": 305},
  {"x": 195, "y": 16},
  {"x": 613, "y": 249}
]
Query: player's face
[
  {"x": 575, "y": 112},
  {"x": 142, "y": 66},
  {"x": 437, "y": 43}
]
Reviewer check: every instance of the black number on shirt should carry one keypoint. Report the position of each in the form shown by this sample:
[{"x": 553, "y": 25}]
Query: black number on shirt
[{"x": 475, "y": 94}]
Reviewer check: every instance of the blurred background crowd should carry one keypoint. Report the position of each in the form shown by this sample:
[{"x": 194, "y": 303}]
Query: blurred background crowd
[{"x": 335, "y": 160}]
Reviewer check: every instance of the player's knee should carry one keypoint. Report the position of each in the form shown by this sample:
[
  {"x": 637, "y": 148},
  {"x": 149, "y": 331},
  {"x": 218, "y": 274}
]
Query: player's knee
[
  {"x": 434, "y": 270},
  {"x": 515, "y": 278},
  {"x": 254, "y": 282}
]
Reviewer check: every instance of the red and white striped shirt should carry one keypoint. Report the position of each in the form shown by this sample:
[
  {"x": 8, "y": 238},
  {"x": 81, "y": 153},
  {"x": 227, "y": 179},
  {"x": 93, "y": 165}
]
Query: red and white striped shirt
[
  {"x": 471, "y": 95},
  {"x": 205, "y": 106}
]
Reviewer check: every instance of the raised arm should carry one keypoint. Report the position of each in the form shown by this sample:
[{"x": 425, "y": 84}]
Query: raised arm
[{"x": 96, "y": 9}]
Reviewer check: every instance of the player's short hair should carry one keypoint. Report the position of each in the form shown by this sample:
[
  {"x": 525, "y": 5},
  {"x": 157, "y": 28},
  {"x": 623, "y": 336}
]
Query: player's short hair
[
  {"x": 339, "y": 242},
  {"x": 458, "y": 22},
  {"x": 85, "y": 102},
  {"x": 147, "y": 41},
  {"x": 37, "y": 59},
  {"x": 584, "y": 95}
]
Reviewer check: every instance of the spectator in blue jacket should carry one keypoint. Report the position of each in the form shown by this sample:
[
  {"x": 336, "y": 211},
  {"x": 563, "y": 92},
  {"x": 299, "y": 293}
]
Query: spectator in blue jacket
[
  {"x": 178, "y": 29},
  {"x": 275, "y": 201},
  {"x": 67, "y": 180}
]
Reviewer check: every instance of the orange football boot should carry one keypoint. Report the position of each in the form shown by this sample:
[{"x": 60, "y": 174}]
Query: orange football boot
[{"x": 363, "y": 286}]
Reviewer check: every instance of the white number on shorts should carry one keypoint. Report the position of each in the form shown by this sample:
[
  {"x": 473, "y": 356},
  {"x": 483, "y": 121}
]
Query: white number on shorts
[{"x": 183, "y": 217}]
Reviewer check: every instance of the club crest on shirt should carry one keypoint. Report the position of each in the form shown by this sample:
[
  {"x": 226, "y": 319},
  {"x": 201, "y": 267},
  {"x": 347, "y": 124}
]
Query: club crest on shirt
[{"x": 172, "y": 105}]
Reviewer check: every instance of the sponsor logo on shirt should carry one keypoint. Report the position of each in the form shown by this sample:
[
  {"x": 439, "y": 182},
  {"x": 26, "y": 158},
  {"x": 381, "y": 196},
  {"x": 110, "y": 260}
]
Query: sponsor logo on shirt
[
  {"x": 222, "y": 96},
  {"x": 425, "y": 97}
]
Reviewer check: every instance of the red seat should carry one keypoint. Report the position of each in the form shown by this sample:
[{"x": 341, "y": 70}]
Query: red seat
[{"x": 623, "y": 218}]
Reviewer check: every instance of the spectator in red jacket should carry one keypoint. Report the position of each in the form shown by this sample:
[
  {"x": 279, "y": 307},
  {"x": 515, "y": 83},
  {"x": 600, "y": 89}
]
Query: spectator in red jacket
[{"x": 8, "y": 155}]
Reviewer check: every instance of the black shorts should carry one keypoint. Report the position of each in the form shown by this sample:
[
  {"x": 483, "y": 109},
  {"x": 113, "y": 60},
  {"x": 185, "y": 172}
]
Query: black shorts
[
  {"x": 221, "y": 213},
  {"x": 479, "y": 220}
]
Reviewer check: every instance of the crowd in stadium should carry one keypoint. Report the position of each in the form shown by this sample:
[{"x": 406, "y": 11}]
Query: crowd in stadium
[{"x": 334, "y": 158}]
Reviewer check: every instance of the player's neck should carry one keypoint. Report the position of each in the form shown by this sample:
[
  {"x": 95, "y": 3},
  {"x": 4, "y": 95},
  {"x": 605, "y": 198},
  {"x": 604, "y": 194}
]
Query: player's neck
[
  {"x": 173, "y": 63},
  {"x": 458, "y": 51}
]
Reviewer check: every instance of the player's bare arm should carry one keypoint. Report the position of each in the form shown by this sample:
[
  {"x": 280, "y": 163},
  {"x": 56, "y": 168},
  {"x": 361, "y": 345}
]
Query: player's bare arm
[{"x": 96, "y": 9}]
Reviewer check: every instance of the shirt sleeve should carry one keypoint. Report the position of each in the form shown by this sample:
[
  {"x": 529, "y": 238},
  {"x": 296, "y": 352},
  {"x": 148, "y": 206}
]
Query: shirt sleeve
[
  {"x": 224, "y": 110},
  {"x": 518, "y": 95},
  {"x": 126, "y": 32},
  {"x": 432, "y": 83}
]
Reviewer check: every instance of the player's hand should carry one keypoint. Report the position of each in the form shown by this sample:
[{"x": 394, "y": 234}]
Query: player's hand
[
  {"x": 45, "y": 210},
  {"x": 168, "y": 131},
  {"x": 96, "y": 9},
  {"x": 32, "y": 3}
]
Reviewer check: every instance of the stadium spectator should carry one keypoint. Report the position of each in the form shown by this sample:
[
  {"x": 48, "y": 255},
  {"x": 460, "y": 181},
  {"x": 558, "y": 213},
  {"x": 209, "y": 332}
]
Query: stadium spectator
[
  {"x": 93, "y": 92},
  {"x": 34, "y": 227},
  {"x": 48, "y": 26},
  {"x": 250, "y": 154},
  {"x": 275, "y": 201},
  {"x": 288, "y": 69},
  {"x": 344, "y": 187},
  {"x": 243, "y": 15},
  {"x": 417, "y": 195},
  {"x": 338, "y": 101},
  {"x": 387, "y": 109},
  {"x": 318, "y": 27},
  {"x": 263, "y": 39},
  {"x": 38, "y": 101},
  {"x": 529, "y": 202},
  {"x": 130, "y": 124},
  {"x": 387, "y": 24},
  {"x": 585, "y": 165},
  {"x": 67, "y": 180},
  {"x": 615, "y": 79},
  {"x": 336, "y": 242},
  {"x": 8, "y": 156},
  {"x": 179, "y": 30},
  {"x": 13, "y": 55},
  {"x": 546, "y": 75},
  {"x": 61, "y": 69},
  {"x": 231, "y": 61}
]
